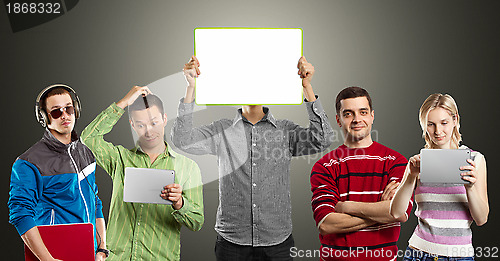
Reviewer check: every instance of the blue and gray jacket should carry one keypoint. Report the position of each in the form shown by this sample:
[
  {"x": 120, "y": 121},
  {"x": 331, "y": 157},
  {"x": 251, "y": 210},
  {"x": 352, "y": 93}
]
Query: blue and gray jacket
[{"x": 54, "y": 183}]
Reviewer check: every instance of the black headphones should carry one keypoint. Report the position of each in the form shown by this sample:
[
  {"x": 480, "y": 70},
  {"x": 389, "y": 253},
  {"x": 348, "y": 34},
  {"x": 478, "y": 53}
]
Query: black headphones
[{"x": 41, "y": 115}]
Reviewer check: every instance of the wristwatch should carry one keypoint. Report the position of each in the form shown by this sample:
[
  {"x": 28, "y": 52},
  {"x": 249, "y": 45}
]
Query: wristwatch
[{"x": 102, "y": 250}]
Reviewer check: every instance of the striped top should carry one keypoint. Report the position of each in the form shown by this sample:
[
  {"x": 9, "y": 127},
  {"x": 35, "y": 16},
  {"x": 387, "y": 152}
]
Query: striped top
[
  {"x": 360, "y": 175},
  {"x": 444, "y": 218},
  {"x": 139, "y": 231}
]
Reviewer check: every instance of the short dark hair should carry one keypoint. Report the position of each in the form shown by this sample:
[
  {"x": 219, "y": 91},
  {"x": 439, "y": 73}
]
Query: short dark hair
[
  {"x": 52, "y": 92},
  {"x": 352, "y": 92},
  {"x": 139, "y": 104}
]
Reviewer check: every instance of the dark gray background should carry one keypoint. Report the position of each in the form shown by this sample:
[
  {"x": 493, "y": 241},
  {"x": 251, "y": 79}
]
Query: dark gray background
[{"x": 401, "y": 51}]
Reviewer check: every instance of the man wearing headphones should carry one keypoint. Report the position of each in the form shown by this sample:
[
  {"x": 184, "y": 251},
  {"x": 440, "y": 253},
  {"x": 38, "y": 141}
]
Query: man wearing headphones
[{"x": 53, "y": 182}]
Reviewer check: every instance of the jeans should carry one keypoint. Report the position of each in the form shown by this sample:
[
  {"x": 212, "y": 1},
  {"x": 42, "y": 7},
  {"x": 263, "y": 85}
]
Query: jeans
[
  {"x": 417, "y": 255},
  {"x": 227, "y": 251}
]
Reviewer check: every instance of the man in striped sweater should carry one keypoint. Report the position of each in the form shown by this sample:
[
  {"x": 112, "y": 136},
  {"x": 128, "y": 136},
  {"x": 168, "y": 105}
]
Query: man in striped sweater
[{"x": 352, "y": 187}]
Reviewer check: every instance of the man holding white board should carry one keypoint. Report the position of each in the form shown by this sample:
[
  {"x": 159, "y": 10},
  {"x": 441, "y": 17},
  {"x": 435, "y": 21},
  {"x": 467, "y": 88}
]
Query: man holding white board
[
  {"x": 254, "y": 152},
  {"x": 138, "y": 231}
]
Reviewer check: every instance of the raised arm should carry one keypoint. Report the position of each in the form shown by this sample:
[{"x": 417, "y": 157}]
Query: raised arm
[
  {"x": 306, "y": 72},
  {"x": 93, "y": 135},
  {"x": 319, "y": 135},
  {"x": 195, "y": 140},
  {"x": 191, "y": 71}
]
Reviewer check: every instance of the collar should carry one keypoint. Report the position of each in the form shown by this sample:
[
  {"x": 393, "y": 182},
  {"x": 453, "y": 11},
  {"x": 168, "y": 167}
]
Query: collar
[
  {"x": 167, "y": 152},
  {"x": 57, "y": 145},
  {"x": 268, "y": 116}
]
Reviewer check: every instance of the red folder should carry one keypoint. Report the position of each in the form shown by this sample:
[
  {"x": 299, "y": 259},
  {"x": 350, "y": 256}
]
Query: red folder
[{"x": 68, "y": 242}]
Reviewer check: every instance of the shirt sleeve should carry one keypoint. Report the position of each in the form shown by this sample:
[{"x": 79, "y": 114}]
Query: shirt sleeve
[
  {"x": 189, "y": 177},
  {"x": 25, "y": 190},
  {"x": 93, "y": 137},
  {"x": 396, "y": 172},
  {"x": 98, "y": 204},
  {"x": 198, "y": 141},
  {"x": 325, "y": 192},
  {"x": 317, "y": 137}
]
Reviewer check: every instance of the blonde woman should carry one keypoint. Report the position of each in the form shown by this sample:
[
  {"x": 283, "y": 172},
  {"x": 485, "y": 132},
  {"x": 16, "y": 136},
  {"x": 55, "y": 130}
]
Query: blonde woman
[{"x": 445, "y": 211}]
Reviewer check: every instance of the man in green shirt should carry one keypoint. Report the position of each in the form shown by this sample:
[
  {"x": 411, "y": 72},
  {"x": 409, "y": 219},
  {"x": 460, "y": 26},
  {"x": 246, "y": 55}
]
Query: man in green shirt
[{"x": 139, "y": 231}]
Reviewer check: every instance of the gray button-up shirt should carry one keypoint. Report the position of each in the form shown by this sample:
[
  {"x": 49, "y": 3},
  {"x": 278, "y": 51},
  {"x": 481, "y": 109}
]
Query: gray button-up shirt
[{"x": 254, "y": 166}]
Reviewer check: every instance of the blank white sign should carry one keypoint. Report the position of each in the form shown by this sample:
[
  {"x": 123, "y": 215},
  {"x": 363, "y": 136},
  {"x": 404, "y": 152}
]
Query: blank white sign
[{"x": 248, "y": 66}]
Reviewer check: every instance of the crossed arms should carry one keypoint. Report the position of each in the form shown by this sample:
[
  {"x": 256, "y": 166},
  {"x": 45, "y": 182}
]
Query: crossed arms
[
  {"x": 351, "y": 216},
  {"x": 334, "y": 216}
]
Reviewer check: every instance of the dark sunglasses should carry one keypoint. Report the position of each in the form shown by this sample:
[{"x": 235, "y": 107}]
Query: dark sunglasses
[{"x": 56, "y": 113}]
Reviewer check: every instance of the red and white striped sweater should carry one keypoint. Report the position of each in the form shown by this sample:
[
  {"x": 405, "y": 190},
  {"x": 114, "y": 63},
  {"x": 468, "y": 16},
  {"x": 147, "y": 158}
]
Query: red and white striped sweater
[{"x": 360, "y": 175}]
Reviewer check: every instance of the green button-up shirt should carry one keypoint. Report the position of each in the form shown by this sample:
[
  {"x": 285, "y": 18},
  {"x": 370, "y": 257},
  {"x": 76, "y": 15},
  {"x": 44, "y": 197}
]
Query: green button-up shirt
[{"x": 139, "y": 231}]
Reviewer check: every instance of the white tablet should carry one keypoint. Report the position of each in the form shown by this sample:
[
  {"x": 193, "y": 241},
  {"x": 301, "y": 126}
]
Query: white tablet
[
  {"x": 142, "y": 185},
  {"x": 443, "y": 165},
  {"x": 241, "y": 66}
]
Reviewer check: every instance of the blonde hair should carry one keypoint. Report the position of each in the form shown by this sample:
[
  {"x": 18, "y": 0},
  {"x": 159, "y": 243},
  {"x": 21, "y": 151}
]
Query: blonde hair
[{"x": 445, "y": 101}]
